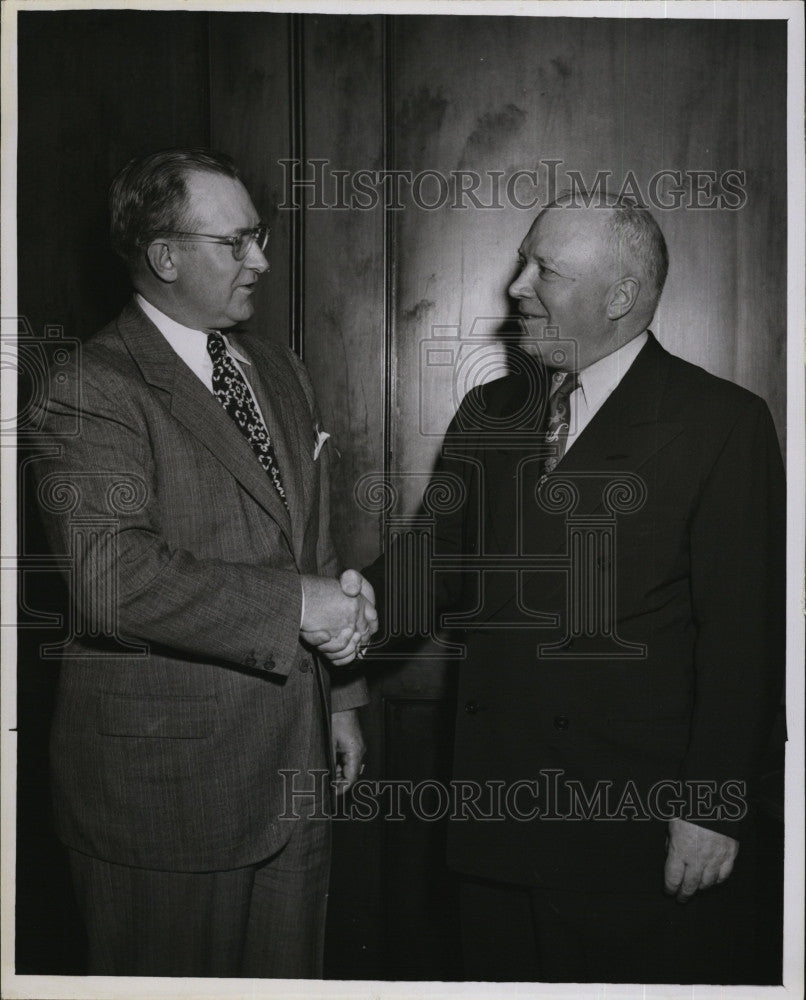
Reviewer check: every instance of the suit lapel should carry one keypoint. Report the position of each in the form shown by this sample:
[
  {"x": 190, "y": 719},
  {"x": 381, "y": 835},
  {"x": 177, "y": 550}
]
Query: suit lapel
[
  {"x": 199, "y": 412},
  {"x": 625, "y": 433},
  {"x": 622, "y": 437}
]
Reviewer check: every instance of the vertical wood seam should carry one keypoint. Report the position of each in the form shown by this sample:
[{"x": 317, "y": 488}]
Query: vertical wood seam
[
  {"x": 296, "y": 121},
  {"x": 208, "y": 38},
  {"x": 389, "y": 255},
  {"x": 389, "y": 373}
]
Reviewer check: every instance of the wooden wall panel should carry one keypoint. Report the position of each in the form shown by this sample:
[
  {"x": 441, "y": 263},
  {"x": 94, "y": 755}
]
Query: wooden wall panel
[
  {"x": 598, "y": 95},
  {"x": 344, "y": 262},
  {"x": 250, "y": 118},
  {"x": 760, "y": 362},
  {"x": 96, "y": 88},
  {"x": 344, "y": 350}
]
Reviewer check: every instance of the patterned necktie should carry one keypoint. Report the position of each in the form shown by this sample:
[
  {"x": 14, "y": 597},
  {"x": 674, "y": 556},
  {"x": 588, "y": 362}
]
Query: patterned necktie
[
  {"x": 231, "y": 390},
  {"x": 559, "y": 417}
]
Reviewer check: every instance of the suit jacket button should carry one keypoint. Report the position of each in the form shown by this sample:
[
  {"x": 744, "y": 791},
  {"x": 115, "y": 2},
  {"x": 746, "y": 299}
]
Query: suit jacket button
[
  {"x": 268, "y": 663},
  {"x": 304, "y": 666},
  {"x": 471, "y": 707},
  {"x": 250, "y": 660},
  {"x": 561, "y": 723}
]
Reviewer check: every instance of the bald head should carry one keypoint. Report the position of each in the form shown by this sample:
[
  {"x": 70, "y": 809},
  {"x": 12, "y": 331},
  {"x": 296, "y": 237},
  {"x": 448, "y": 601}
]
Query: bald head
[
  {"x": 596, "y": 273},
  {"x": 631, "y": 235}
]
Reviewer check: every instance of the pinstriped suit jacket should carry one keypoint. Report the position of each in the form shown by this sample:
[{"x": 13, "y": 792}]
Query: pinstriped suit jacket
[{"x": 167, "y": 745}]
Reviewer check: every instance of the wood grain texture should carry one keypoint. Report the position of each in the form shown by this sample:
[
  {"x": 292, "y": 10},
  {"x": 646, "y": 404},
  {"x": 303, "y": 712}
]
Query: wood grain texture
[
  {"x": 250, "y": 119},
  {"x": 599, "y": 95},
  {"x": 344, "y": 264},
  {"x": 96, "y": 88}
]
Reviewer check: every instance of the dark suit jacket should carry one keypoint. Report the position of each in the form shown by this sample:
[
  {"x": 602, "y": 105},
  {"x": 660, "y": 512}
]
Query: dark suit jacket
[
  {"x": 167, "y": 754},
  {"x": 697, "y": 574}
]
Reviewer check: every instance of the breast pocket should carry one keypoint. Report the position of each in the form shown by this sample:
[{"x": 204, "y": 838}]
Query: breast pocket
[{"x": 178, "y": 718}]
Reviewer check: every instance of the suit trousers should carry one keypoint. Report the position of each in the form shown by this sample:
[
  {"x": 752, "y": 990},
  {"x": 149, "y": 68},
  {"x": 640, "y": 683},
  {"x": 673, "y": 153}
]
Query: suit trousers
[
  {"x": 262, "y": 921},
  {"x": 521, "y": 934},
  {"x": 265, "y": 920}
]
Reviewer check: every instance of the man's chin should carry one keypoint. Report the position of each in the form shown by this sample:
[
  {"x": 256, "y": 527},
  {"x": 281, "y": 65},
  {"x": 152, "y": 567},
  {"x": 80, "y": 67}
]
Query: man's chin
[
  {"x": 534, "y": 325},
  {"x": 547, "y": 349},
  {"x": 533, "y": 343},
  {"x": 241, "y": 314},
  {"x": 534, "y": 328}
]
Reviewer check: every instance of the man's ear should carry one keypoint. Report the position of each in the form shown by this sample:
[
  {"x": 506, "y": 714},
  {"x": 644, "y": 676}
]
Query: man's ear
[
  {"x": 623, "y": 296},
  {"x": 161, "y": 262}
]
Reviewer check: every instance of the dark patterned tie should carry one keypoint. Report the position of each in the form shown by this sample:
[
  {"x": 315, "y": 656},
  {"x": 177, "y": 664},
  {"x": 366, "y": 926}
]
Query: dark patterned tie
[
  {"x": 559, "y": 416},
  {"x": 231, "y": 390}
]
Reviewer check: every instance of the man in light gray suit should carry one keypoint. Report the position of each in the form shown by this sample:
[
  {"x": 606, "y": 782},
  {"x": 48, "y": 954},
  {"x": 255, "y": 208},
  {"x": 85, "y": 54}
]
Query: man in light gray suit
[{"x": 193, "y": 502}]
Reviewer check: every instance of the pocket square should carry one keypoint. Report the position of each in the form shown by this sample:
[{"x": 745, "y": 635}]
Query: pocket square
[{"x": 321, "y": 437}]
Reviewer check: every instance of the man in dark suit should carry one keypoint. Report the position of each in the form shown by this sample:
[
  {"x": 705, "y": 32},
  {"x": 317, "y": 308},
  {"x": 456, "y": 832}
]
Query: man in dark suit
[
  {"x": 195, "y": 729},
  {"x": 620, "y": 518}
]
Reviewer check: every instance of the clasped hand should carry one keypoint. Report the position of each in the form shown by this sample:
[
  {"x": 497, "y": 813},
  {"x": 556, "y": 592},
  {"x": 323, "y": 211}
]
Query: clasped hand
[{"x": 339, "y": 616}]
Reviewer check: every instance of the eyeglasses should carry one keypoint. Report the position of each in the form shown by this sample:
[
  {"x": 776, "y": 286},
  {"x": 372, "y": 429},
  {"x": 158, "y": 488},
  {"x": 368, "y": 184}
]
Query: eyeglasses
[{"x": 240, "y": 243}]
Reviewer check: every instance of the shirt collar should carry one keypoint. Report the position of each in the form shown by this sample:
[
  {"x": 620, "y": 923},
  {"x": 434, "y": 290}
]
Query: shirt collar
[
  {"x": 183, "y": 339},
  {"x": 598, "y": 380}
]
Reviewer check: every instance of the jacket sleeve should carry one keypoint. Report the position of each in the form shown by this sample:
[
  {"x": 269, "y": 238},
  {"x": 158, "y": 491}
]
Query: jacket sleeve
[
  {"x": 738, "y": 599},
  {"x": 326, "y": 558},
  {"x": 346, "y": 689},
  {"x": 126, "y": 575}
]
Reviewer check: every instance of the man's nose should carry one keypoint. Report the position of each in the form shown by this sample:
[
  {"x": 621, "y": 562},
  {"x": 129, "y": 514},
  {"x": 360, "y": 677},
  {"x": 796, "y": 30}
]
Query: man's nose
[
  {"x": 255, "y": 259},
  {"x": 521, "y": 287}
]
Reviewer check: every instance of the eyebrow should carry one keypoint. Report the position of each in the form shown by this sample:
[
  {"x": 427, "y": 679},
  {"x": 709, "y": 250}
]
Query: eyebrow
[{"x": 540, "y": 258}]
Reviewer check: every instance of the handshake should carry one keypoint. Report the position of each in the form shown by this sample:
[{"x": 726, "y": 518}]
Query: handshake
[{"x": 339, "y": 616}]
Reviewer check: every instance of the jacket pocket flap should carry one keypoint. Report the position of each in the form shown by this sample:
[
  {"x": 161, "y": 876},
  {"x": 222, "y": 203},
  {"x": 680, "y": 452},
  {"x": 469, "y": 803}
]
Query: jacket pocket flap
[{"x": 184, "y": 718}]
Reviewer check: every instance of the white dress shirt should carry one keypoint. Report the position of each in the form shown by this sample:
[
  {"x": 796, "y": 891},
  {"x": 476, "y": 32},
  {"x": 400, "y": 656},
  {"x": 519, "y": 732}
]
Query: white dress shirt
[
  {"x": 191, "y": 346},
  {"x": 597, "y": 382}
]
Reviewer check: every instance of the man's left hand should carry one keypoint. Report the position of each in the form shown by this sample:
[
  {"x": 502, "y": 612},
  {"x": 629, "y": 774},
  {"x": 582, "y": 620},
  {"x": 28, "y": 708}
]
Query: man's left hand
[
  {"x": 696, "y": 858},
  {"x": 348, "y": 748}
]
